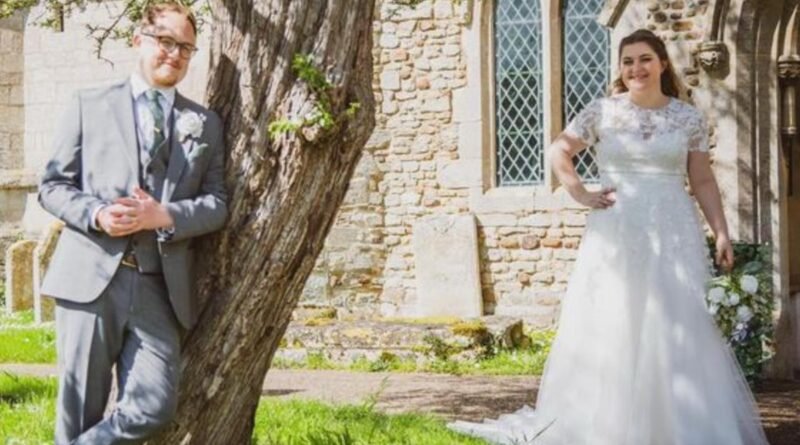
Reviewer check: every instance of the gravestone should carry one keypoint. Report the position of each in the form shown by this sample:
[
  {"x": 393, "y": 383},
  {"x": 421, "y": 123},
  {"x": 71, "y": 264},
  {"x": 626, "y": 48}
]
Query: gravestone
[
  {"x": 447, "y": 266},
  {"x": 19, "y": 276},
  {"x": 44, "y": 306}
]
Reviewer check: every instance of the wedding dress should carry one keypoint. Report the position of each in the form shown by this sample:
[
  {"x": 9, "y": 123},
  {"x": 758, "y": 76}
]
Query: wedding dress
[{"x": 637, "y": 359}]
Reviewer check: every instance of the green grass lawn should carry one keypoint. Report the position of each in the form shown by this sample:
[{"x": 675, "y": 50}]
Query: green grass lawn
[
  {"x": 27, "y": 409},
  {"x": 296, "y": 422},
  {"x": 23, "y": 342},
  {"x": 27, "y": 412},
  {"x": 523, "y": 362},
  {"x": 27, "y": 404}
]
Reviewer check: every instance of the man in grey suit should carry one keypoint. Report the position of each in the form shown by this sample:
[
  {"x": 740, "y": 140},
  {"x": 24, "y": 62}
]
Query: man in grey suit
[{"x": 137, "y": 174}]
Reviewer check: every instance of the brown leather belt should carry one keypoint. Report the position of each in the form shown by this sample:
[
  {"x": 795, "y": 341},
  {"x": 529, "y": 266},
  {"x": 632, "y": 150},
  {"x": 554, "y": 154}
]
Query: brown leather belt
[{"x": 129, "y": 260}]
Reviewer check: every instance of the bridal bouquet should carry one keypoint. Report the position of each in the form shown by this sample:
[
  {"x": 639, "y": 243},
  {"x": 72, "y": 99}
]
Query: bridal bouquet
[{"x": 741, "y": 303}]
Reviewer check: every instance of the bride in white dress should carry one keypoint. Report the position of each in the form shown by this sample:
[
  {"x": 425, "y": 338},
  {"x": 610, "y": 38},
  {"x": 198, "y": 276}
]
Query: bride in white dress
[{"x": 638, "y": 359}]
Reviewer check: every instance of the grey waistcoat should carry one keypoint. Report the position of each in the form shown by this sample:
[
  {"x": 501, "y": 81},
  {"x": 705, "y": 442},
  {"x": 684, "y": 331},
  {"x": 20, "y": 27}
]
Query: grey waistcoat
[{"x": 151, "y": 174}]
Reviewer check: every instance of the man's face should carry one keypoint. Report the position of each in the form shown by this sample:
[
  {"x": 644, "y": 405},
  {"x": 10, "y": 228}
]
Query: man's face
[{"x": 159, "y": 66}]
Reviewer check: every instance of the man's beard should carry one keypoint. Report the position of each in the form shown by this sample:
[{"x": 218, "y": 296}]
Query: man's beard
[{"x": 166, "y": 79}]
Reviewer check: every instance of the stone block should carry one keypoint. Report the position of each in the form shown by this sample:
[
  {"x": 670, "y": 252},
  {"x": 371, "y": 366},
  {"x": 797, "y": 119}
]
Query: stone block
[
  {"x": 447, "y": 266},
  {"x": 507, "y": 332},
  {"x": 530, "y": 242},
  {"x": 443, "y": 9},
  {"x": 444, "y": 63},
  {"x": 317, "y": 289},
  {"x": 682, "y": 25},
  {"x": 538, "y": 220},
  {"x": 460, "y": 174},
  {"x": 16, "y": 96},
  {"x": 551, "y": 242},
  {"x": 497, "y": 219},
  {"x": 12, "y": 202},
  {"x": 11, "y": 118},
  {"x": 398, "y": 12},
  {"x": 437, "y": 104},
  {"x": 11, "y": 63},
  {"x": 357, "y": 192},
  {"x": 342, "y": 236},
  {"x": 574, "y": 219},
  {"x": 390, "y": 80},
  {"x": 19, "y": 276}
]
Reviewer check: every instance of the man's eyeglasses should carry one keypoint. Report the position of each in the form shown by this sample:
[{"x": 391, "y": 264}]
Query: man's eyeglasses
[{"x": 169, "y": 45}]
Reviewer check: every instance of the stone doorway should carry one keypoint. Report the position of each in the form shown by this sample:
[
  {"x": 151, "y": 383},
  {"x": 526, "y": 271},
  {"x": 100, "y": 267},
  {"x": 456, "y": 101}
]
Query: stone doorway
[
  {"x": 788, "y": 181},
  {"x": 768, "y": 143},
  {"x": 789, "y": 93},
  {"x": 791, "y": 177}
]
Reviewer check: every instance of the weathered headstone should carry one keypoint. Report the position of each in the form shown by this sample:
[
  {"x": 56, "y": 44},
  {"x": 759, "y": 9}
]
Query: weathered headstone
[
  {"x": 44, "y": 307},
  {"x": 19, "y": 276},
  {"x": 447, "y": 267}
]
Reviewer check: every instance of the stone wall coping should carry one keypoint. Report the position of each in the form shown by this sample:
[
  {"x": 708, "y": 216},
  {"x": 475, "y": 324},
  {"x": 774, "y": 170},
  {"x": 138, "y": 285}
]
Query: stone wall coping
[{"x": 17, "y": 179}]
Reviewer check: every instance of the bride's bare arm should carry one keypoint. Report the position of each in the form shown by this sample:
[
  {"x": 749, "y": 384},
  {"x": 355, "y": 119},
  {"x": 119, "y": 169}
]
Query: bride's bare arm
[
  {"x": 706, "y": 191},
  {"x": 562, "y": 150}
]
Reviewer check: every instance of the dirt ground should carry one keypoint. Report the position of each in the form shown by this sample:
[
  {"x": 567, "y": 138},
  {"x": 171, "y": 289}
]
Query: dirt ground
[{"x": 476, "y": 398}]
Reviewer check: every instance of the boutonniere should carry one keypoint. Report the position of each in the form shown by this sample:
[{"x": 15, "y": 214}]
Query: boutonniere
[{"x": 189, "y": 124}]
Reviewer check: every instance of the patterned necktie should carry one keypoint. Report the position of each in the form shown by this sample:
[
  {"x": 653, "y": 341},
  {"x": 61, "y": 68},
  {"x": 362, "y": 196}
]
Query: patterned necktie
[{"x": 154, "y": 105}]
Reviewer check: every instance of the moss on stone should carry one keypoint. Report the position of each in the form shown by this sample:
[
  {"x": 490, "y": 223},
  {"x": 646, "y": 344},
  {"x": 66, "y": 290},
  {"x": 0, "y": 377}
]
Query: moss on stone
[
  {"x": 357, "y": 333},
  {"x": 424, "y": 320},
  {"x": 473, "y": 329},
  {"x": 388, "y": 357},
  {"x": 317, "y": 321}
]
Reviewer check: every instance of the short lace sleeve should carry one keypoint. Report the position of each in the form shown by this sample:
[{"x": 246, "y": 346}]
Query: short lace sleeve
[
  {"x": 584, "y": 125},
  {"x": 698, "y": 133}
]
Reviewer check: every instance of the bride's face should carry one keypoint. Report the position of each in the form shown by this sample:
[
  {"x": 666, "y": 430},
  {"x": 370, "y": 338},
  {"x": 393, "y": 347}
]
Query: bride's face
[{"x": 641, "y": 68}]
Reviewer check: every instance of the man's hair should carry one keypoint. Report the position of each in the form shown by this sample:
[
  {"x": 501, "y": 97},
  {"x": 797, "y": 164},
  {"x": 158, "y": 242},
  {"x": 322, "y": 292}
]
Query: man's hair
[{"x": 154, "y": 10}]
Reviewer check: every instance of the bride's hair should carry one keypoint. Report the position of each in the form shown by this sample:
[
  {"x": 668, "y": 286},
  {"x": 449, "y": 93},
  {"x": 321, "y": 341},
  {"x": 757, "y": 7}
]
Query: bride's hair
[{"x": 670, "y": 84}]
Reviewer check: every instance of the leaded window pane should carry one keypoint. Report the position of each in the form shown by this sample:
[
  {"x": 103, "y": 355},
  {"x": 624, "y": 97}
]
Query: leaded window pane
[
  {"x": 586, "y": 68},
  {"x": 519, "y": 110}
]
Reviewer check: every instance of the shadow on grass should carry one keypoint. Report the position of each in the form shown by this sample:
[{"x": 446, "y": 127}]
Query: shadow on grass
[
  {"x": 16, "y": 389},
  {"x": 279, "y": 392}
]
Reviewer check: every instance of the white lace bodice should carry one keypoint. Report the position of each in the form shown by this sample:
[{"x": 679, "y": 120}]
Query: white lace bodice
[{"x": 629, "y": 138}]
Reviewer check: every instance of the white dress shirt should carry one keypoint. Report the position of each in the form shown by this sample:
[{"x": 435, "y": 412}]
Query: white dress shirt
[
  {"x": 142, "y": 114},
  {"x": 144, "y": 120}
]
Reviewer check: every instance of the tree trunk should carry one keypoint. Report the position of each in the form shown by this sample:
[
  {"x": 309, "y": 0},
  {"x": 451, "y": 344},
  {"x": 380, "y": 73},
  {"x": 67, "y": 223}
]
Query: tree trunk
[{"x": 284, "y": 195}]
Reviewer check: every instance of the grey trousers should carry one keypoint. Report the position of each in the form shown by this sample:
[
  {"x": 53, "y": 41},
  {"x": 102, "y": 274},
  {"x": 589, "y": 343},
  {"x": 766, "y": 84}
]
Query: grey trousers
[{"x": 133, "y": 326}]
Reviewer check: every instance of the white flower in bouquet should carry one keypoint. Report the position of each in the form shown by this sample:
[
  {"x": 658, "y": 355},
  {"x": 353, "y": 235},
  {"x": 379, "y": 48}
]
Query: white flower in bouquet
[
  {"x": 744, "y": 314},
  {"x": 716, "y": 295},
  {"x": 733, "y": 299},
  {"x": 713, "y": 309},
  {"x": 749, "y": 284}
]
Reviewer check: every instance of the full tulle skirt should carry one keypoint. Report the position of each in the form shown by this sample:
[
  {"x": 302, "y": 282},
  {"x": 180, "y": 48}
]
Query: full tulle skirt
[{"x": 637, "y": 359}]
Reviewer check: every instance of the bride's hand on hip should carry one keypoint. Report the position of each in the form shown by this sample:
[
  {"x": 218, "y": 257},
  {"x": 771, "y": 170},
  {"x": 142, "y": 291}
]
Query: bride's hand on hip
[
  {"x": 602, "y": 199},
  {"x": 724, "y": 253}
]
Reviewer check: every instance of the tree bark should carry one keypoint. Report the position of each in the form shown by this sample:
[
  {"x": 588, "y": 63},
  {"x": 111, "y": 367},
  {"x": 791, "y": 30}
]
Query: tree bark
[{"x": 284, "y": 195}]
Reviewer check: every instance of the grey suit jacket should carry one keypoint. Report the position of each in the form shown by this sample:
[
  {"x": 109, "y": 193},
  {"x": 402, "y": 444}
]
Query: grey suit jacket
[{"x": 96, "y": 160}]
